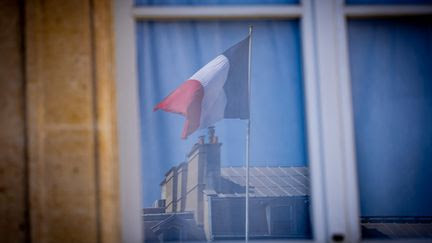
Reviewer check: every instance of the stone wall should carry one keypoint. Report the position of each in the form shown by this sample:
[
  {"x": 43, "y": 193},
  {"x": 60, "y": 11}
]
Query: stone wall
[
  {"x": 13, "y": 171},
  {"x": 58, "y": 170}
]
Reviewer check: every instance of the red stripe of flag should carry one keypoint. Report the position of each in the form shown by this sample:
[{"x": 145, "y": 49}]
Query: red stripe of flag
[{"x": 185, "y": 100}]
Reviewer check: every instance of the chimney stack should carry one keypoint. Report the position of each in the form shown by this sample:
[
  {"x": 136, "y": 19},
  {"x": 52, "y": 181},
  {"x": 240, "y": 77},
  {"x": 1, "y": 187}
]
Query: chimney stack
[
  {"x": 203, "y": 172},
  {"x": 211, "y": 135},
  {"x": 201, "y": 139}
]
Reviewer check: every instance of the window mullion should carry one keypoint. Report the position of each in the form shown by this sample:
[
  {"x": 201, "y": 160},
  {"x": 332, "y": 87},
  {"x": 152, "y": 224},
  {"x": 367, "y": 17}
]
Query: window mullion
[
  {"x": 337, "y": 140},
  {"x": 351, "y": 186},
  {"x": 313, "y": 122}
]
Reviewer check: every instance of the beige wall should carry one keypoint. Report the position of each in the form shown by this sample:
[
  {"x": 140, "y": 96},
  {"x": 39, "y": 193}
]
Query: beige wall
[
  {"x": 58, "y": 170},
  {"x": 171, "y": 191}
]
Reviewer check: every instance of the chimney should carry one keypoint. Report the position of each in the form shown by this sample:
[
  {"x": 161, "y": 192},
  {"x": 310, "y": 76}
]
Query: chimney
[
  {"x": 201, "y": 140},
  {"x": 203, "y": 172},
  {"x": 169, "y": 188},
  {"x": 211, "y": 134}
]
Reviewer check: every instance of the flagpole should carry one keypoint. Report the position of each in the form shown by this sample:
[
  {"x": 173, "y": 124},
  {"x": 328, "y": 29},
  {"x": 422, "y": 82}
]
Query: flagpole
[{"x": 248, "y": 137}]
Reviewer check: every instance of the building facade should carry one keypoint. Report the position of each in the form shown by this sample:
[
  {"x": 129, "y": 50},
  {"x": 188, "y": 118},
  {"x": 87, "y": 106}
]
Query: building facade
[{"x": 201, "y": 200}]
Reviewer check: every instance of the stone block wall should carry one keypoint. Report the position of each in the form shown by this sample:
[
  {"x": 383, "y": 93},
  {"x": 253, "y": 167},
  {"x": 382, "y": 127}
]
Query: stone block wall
[{"x": 58, "y": 151}]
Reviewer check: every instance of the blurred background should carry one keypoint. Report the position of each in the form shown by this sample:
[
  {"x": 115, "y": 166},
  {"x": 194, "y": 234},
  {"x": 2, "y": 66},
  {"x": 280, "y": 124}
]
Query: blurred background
[{"x": 341, "y": 97}]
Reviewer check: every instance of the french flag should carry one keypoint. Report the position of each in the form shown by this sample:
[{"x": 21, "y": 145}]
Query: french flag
[{"x": 218, "y": 90}]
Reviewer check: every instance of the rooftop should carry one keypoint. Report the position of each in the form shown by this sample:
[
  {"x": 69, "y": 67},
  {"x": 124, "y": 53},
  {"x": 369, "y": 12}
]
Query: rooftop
[{"x": 266, "y": 181}]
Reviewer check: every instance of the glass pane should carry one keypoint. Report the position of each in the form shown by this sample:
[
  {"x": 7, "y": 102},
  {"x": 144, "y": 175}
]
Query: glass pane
[
  {"x": 389, "y": 1},
  {"x": 212, "y": 2},
  {"x": 200, "y": 184},
  {"x": 392, "y": 92}
]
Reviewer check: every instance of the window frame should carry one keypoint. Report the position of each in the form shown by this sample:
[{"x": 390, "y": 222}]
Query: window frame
[
  {"x": 328, "y": 102},
  {"x": 341, "y": 110}
]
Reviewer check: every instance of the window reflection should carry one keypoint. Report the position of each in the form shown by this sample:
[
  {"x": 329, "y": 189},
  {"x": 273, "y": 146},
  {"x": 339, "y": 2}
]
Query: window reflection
[
  {"x": 201, "y": 200},
  {"x": 392, "y": 94},
  {"x": 194, "y": 189}
]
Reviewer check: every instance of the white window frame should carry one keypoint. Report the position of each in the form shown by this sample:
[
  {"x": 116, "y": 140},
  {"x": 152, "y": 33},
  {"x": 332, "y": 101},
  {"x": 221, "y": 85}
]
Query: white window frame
[
  {"x": 329, "y": 114},
  {"x": 339, "y": 160}
]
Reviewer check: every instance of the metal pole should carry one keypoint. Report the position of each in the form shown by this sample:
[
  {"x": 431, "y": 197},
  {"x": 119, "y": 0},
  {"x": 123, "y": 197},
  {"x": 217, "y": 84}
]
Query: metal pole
[{"x": 248, "y": 137}]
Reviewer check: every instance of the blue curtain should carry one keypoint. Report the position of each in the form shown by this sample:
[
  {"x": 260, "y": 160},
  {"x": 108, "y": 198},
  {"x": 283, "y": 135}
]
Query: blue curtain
[
  {"x": 170, "y": 52},
  {"x": 391, "y": 72}
]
